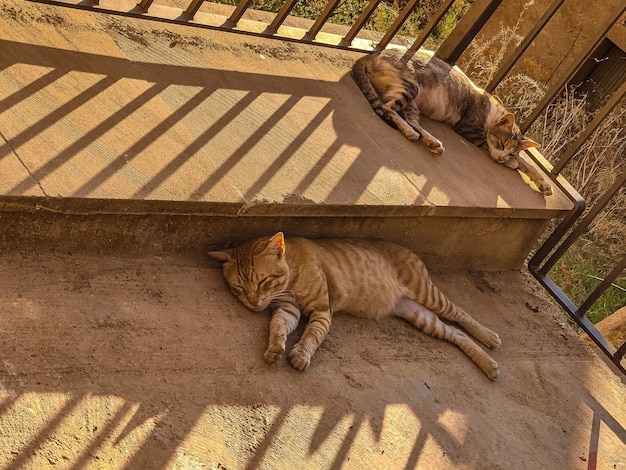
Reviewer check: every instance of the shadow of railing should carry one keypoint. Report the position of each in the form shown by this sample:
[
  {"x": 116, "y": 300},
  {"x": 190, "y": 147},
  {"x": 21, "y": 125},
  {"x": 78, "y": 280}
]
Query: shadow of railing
[{"x": 104, "y": 144}]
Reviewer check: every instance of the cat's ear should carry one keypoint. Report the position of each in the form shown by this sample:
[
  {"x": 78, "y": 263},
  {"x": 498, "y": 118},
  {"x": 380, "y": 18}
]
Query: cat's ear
[
  {"x": 507, "y": 121},
  {"x": 222, "y": 256},
  {"x": 527, "y": 143},
  {"x": 276, "y": 245}
]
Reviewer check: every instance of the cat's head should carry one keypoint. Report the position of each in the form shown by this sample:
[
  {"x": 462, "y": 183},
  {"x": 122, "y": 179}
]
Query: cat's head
[
  {"x": 505, "y": 140},
  {"x": 256, "y": 271}
]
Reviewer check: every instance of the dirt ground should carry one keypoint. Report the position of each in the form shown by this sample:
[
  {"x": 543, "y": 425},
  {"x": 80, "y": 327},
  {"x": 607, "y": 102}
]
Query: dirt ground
[{"x": 150, "y": 363}]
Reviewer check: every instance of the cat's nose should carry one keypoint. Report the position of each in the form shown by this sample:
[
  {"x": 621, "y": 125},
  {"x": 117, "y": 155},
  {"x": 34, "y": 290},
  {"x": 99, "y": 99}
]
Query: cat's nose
[{"x": 254, "y": 300}]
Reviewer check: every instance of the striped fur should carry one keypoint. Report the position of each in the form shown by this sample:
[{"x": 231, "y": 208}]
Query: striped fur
[
  {"x": 400, "y": 91},
  {"x": 366, "y": 278}
]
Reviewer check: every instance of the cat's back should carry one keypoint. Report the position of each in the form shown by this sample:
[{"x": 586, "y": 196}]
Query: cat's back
[
  {"x": 363, "y": 276},
  {"x": 346, "y": 253}
]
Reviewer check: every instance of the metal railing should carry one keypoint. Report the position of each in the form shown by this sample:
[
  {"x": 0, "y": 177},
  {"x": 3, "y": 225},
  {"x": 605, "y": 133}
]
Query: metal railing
[
  {"x": 450, "y": 50},
  {"x": 554, "y": 249}
]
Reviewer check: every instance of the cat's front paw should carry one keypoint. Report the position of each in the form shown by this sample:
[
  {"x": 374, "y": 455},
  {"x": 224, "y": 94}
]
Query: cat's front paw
[
  {"x": 435, "y": 146},
  {"x": 545, "y": 189},
  {"x": 512, "y": 164},
  {"x": 273, "y": 353},
  {"x": 299, "y": 357}
]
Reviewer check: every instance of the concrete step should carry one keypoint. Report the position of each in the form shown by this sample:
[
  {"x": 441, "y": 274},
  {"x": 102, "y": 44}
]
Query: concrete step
[{"x": 122, "y": 135}]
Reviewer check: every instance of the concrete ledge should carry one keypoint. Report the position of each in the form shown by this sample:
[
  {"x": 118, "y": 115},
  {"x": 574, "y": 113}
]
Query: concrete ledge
[
  {"x": 122, "y": 134},
  {"x": 157, "y": 227}
]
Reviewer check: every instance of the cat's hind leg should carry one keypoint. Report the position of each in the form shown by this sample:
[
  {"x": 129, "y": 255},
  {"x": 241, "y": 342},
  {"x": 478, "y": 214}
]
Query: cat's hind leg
[
  {"x": 411, "y": 116},
  {"x": 390, "y": 114},
  {"x": 427, "y": 321}
]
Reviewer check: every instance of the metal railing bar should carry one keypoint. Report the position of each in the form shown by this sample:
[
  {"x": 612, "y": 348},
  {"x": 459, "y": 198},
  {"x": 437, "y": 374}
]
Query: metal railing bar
[
  {"x": 593, "y": 125},
  {"x": 428, "y": 29},
  {"x": 607, "y": 348},
  {"x": 321, "y": 21},
  {"x": 584, "y": 223},
  {"x": 236, "y": 15},
  {"x": 135, "y": 13},
  {"x": 397, "y": 24},
  {"x": 583, "y": 322},
  {"x": 602, "y": 287},
  {"x": 508, "y": 63},
  {"x": 192, "y": 9},
  {"x": 360, "y": 22},
  {"x": 555, "y": 89},
  {"x": 564, "y": 226},
  {"x": 560, "y": 297},
  {"x": 552, "y": 241},
  {"x": 620, "y": 351},
  {"x": 466, "y": 30},
  {"x": 145, "y": 4},
  {"x": 280, "y": 17}
]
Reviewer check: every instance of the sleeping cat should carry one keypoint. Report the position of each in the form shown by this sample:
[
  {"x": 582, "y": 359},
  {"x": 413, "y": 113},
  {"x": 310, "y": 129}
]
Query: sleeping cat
[
  {"x": 367, "y": 278},
  {"x": 400, "y": 91}
]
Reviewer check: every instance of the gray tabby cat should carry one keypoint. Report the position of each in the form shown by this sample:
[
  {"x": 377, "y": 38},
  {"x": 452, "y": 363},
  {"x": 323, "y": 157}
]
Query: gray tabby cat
[
  {"x": 367, "y": 278},
  {"x": 400, "y": 91}
]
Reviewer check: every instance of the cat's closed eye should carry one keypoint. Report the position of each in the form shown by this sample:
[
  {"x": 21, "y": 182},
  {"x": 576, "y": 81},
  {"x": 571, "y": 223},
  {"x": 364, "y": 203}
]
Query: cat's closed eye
[{"x": 268, "y": 282}]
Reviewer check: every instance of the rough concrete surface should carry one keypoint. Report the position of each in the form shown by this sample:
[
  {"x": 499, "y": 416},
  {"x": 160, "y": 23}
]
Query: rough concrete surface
[{"x": 150, "y": 363}]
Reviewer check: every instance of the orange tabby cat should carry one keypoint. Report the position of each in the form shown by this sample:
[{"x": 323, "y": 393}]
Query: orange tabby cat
[{"x": 369, "y": 279}]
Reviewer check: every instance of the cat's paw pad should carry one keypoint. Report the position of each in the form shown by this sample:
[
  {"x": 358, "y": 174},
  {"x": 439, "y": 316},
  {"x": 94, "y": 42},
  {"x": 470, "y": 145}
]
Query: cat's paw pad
[
  {"x": 545, "y": 189},
  {"x": 299, "y": 357},
  {"x": 273, "y": 353}
]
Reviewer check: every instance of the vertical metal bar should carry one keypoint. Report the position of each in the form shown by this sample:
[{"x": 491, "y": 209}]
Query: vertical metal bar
[
  {"x": 395, "y": 27},
  {"x": 466, "y": 29},
  {"x": 360, "y": 22},
  {"x": 593, "y": 125},
  {"x": 234, "y": 18},
  {"x": 192, "y": 9},
  {"x": 321, "y": 20},
  {"x": 508, "y": 64},
  {"x": 569, "y": 73},
  {"x": 280, "y": 17},
  {"x": 602, "y": 287},
  {"x": 620, "y": 352},
  {"x": 428, "y": 29}
]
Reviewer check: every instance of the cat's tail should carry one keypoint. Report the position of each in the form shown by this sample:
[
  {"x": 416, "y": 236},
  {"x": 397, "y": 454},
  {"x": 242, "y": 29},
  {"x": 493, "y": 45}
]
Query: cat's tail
[{"x": 360, "y": 74}]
